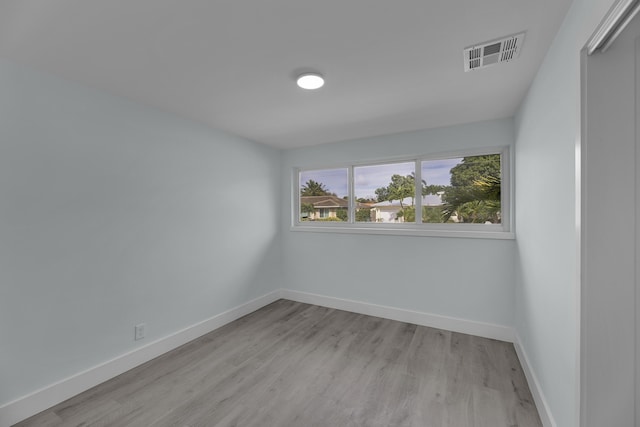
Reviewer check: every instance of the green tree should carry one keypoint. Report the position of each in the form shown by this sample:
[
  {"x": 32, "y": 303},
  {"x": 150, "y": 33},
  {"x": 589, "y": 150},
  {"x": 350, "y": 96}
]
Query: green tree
[
  {"x": 400, "y": 188},
  {"x": 432, "y": 214},
  {"x": 382, "y": 194},
  {"x": 474, "y": 194},
  {"x": 475, "y": 168},
  {"x": 408, "y": 213},
  {"x": 478, "y": 211},
  {"x": 313, "y": 188},
  {"x": 363, "y": 215},
  {"x": 307, "y": 208},
  {"x": 366, "y": 200},
  {"x": 432, "y": 189},
  {"x": 341, "y": 214}
]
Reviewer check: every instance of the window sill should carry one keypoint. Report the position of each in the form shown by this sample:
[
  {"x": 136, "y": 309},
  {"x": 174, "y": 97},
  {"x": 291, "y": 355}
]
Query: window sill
[{"x": 409, "y": 231}]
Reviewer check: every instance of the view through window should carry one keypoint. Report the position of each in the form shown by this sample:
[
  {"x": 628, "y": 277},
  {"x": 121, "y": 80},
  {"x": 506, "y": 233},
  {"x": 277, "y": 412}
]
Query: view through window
[
  {"x": 466, "y": 190},
  {"x": 454, "y": 190},
  {"x": 385, "y": 193},
  {"x": 324, "y": 195}
]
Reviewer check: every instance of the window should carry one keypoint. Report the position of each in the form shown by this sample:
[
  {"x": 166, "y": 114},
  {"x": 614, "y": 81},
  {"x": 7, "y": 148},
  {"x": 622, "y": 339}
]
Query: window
[
  {"x": 465, "y": 194},
  {"x": 323, "y": 195},
  {"x": 467, "y": 190},
  {"x": 385, "y": 192}
]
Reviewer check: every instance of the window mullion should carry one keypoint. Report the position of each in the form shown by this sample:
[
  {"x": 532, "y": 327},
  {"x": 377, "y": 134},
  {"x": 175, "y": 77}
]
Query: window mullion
[
  {"x": 418, "y": 190},
  {"x": 352, "y": 202}
]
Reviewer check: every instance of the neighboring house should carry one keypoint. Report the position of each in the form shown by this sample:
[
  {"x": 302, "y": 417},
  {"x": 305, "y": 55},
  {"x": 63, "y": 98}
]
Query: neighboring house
[
  {"x": 388, "y": 211},
  {"x": 326, "y": 206},
  {"x": 323, "y": 206}
]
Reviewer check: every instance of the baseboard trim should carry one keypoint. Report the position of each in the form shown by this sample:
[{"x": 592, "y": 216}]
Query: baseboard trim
[
  {"x": 534, "y": 385},
  {"x": 481, "y": 329},
  {"x": 33, "y": 403}
]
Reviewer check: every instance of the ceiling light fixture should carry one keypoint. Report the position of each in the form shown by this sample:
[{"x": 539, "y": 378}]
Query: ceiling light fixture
[{"x": 310, "y": 81}]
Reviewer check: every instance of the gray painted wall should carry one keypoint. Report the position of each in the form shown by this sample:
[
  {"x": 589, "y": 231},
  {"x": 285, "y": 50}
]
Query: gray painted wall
[
  {"x": 547, "y": 294},
  {"x": 113, "y": 214},
  {"x": 464, "y": 278}
]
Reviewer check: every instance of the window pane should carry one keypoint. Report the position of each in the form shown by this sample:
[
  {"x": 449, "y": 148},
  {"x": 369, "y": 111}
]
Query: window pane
[
  {"x": 385, "y": 193},
  {"x": 324, "y": 195},
  {"x": 462, "y": 190}
]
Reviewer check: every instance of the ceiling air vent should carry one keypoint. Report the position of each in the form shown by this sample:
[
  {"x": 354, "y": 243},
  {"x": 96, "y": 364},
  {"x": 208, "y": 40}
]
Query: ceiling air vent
[{"x": 493, "y": 52}]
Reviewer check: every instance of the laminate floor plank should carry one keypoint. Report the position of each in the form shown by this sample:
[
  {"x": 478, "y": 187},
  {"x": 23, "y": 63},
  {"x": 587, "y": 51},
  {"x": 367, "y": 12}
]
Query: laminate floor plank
[
  {"x": 291, "y": 364},
  {"x": 287, "y": 376},
  {"x": 222, "y": 381},
  {"x": 224, "y": 388}
]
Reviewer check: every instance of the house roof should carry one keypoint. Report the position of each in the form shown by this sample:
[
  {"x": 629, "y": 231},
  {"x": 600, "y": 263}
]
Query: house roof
[{"x": 330, "y": 201}]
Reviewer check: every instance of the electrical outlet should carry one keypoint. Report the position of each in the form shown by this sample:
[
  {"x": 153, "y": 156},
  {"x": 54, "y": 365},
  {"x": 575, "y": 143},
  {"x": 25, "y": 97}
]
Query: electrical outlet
[{"x": 139, "y": 331}]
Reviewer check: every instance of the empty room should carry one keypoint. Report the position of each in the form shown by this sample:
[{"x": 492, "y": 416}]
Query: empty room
[{"x": 342, "y": 213}]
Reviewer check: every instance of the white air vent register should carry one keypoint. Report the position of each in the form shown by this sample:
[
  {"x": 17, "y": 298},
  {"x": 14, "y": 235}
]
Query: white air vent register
[{"x": 493, "y": 52}]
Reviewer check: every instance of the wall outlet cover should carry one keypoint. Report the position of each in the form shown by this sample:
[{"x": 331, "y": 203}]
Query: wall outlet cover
[{"x": 139, "y": 331}]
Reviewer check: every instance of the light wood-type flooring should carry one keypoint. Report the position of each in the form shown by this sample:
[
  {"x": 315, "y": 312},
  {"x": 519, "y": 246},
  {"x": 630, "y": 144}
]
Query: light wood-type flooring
[{"x": 298, "y": 365}]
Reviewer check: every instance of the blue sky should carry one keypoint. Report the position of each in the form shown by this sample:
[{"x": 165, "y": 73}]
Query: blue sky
[
  {"x": 436, "y": 172},
  {"x": 334, "y": 180},
  {"x": 369, "y": 178}
]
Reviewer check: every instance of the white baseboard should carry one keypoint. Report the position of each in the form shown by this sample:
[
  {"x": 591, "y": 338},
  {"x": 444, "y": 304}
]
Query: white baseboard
[
  {"x": 53, "y": 394},
  {"x": 534, "y": 385},
  {"x": 481, "y": 329}
]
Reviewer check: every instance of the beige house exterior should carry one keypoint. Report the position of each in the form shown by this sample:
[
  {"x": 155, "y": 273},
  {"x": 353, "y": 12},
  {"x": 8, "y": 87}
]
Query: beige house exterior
[{"x": 325, "y": 207}]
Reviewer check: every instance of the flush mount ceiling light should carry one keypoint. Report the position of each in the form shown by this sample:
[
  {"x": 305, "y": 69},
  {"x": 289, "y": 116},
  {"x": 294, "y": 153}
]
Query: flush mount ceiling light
[{"x": 310, "y": 81}]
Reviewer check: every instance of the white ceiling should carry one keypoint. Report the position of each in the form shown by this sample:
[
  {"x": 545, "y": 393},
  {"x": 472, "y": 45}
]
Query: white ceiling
[{"x": 390, "y": 65}]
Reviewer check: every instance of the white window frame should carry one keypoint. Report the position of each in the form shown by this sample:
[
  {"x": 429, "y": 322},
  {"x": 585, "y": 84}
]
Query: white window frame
[{"x": 486, "y": 231}]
